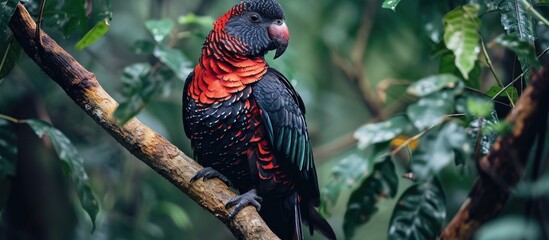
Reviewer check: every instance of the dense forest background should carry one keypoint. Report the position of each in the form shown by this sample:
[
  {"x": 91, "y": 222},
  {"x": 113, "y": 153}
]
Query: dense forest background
[{"x": 353, "y": 62}]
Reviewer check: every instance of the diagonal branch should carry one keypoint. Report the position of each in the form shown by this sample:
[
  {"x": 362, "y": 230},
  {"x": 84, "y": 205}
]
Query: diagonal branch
[
  {"x": 502, "y": 168},
  {"x": 151, "y": 148}
]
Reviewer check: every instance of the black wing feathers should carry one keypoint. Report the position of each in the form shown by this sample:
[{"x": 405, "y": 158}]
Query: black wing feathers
[
  {"x": 283, "y": 115},
  {"x": 282, "y": 111}
]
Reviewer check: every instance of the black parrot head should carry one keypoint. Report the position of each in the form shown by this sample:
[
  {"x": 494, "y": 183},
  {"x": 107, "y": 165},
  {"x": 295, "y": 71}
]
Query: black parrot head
[{"x": 260, "y": 26}]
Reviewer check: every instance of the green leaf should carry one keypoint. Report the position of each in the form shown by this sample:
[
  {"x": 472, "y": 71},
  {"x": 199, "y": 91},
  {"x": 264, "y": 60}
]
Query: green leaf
[
  {"x": 75, "y": 163},
  {"x": 430, "y": 109},
  {"x": 511, "y": 91},
  {"x": 461, "y": 27},
  {"x": 350, "y": 171},
  {"x": 382, "y": 131},
  {"x": 513, "y": 227},
  {"x": 485, "y": 125},
  {"x": 175, "y": 60},
  {"x": 8, "y": 150},
  {"x": 438, "y": 149},
  {"x": 7, "y": 8},
  {"x": 382, "y": 184},
  {"x": 142, "y": 47},
  {"x": 522, "y": 48},
  {"x": 9, "y": 56},
  {"x": 480, "y": 107},
  {"x": 420, "y": 212},
  {"x": 516, "y": 20},
  {"x": 159, "y": 29},
  {"x": 177, "y": 214},
  {"x": 137, "y": 90},
  {"x": 431, "y": 84},
  {"x": 390, "y": 4},
  {"x": 447, "y": 65},
  {"x": 205, "y": 21},
  {"x": 96, "y": 33}
]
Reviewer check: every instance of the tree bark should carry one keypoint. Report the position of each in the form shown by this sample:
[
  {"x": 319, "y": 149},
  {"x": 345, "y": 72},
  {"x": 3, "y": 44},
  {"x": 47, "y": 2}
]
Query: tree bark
[
  {"x": 502, "y": 168},
  {"x": 147, "y": 145}
]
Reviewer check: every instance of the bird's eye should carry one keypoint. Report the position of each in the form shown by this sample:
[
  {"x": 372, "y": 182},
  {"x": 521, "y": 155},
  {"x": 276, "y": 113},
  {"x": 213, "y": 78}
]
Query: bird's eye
[
  {"x": 279, "y": 22},
  {"x": 254, "y": 18}
]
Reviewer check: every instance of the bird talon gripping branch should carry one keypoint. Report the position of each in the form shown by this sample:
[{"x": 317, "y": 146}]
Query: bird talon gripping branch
[{"x": 246, "y": 121}]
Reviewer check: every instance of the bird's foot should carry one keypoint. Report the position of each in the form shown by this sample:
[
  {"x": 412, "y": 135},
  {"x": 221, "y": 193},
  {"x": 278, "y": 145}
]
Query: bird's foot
[
  {"x": 209, "y": 173},
  {"x": 243, "y": 200}
]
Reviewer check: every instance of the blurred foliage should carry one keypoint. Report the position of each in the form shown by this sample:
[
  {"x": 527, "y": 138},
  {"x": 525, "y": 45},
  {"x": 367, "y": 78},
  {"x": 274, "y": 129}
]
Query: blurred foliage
[{"x": 444, "y": 74}]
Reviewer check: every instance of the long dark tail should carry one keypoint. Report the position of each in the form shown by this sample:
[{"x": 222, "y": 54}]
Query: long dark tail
[
  {"x": 285, "y": 218},
  {"x": 316, "y": 222}
]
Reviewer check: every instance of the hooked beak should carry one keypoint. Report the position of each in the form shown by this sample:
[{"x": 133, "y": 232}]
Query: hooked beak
[{"x": 279, "y": 34}]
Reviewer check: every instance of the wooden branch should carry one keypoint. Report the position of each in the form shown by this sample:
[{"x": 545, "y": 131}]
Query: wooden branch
[
  {"x": 151, "y": 148},
  {"x": 503, "y": 166}
]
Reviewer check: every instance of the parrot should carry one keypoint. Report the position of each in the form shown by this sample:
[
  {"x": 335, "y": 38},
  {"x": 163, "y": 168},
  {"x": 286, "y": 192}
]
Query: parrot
[{"x": 246, "y": 121}]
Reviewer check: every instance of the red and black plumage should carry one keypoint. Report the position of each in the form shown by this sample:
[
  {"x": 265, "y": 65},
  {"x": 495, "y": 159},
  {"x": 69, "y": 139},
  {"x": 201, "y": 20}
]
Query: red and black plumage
[{"x": 246, "y": 121}]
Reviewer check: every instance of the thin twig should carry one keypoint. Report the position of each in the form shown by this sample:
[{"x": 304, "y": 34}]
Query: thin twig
[
  {"x": 11, "y": 119},
  {"x": 534, "y": 13},
  {"x": 39, "y": 22},
  {"x": 491, "y": 67},
  {"x": 518, "y": 77}
]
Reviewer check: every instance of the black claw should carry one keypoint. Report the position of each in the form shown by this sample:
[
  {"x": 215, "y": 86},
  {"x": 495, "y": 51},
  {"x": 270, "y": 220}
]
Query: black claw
[
  {"x": 209, "y": 173},
  {"x": 248, "y": 198}
]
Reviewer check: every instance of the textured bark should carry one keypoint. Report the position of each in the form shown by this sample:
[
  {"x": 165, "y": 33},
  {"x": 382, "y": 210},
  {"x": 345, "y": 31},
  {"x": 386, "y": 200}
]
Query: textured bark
[
  {"x": 151, "y": 148},
  {"x": 502, "y": 168}
]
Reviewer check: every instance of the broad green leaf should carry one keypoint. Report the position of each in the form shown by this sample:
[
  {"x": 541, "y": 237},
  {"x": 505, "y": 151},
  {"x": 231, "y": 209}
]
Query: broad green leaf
[
  {"x": 512, "y": 227},
  {"x": 382, "y": 131},
  {"x": 9, "y": 55},
  {"x": 489, "y": 134},
  {"x": 431, "y": 84},
  {"x": 516, "y": 20},
  {"x": 7, "y": 8},
  {"x": 382, "y": 184},
  {"x": 438, "y": 149},
  {"x": 142, "y": 47},
  {"x": 205, "y": 21},
  {"x": 175, "y": 60},
  {"x": 350, "y": 171},
  {"x": 138, "y": 87},
  {"x": 96, "y": 33},
  {"x": 8, "y": 150},
  {"x": 177, "y": 214},
  {"x": 430, "y": 109},
  {"x": 420, "y": 212},
  {"x": 447, "y": 65},
  {"x": 75, "y": 163},
  {"x": 390, "y": 4},
  {"x": 480, "y": 107},
  {"x": 461, "y": 36},
  {"x": 159, "y": 29},
  {"x": 511, "y": 91},
  {"x": 524, "y": 50}
]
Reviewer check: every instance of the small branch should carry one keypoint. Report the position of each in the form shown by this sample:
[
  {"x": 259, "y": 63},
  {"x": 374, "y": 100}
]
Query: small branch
[
  {"x": 503, "y": 166},
  {"x": 147, "y": 145},
  {"x": 491, "y": 67},
  {"x": 534, "y": 13}
]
